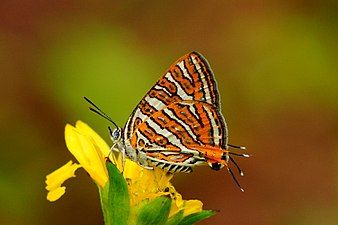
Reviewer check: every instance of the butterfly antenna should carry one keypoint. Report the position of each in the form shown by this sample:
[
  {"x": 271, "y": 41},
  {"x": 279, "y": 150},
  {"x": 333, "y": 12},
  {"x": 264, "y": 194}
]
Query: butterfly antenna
[
  {"x": 235, "y": 179},
  {"x": 99, "y": 112},
  {"x": 110, "y": 131}
]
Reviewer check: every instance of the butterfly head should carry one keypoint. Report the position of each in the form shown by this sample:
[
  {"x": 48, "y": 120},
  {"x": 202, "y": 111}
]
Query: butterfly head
[{"x": 116, "y": 134}]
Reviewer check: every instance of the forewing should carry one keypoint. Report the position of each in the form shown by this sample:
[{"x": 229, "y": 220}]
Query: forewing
[{"x": 189, "y": 78}]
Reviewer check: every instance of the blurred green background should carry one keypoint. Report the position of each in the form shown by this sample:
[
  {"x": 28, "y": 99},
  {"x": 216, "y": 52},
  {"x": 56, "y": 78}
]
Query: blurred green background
[{"x": 277, "y": 71}]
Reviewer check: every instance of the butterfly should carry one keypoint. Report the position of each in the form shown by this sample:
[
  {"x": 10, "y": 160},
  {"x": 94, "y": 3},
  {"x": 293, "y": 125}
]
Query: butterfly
[{"x": 178, "y": 124}]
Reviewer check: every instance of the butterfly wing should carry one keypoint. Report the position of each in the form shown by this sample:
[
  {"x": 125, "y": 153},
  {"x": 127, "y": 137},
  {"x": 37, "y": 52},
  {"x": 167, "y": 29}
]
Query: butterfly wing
[
  {"x": 189, "y": 78},
  {"x": 174, "y": 137}
]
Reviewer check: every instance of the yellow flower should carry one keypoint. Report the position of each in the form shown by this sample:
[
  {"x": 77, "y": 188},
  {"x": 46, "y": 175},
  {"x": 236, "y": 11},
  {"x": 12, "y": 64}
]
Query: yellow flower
[
  {"x": 149, "y": 184},
  {"x": 91, "y": 151}
]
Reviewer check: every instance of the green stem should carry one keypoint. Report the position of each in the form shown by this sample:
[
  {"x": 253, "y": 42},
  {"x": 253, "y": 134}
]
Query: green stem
[{"x": 103, "y": 200}]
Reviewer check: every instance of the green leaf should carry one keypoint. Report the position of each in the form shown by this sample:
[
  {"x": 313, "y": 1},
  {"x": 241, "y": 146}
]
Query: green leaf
[
  {"x": 155, "y": 212},
  {"x": 115, "y": 198},
  {"x": 195, "y": 217},
  {"x": 175, "y": 219}
]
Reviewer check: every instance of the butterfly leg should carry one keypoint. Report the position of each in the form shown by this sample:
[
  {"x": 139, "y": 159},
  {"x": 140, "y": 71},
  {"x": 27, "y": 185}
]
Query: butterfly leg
[
  {"x": 140, "y": 162},
  {"x": 114, "y": 149},
  {"x": 123, "y": 152}
]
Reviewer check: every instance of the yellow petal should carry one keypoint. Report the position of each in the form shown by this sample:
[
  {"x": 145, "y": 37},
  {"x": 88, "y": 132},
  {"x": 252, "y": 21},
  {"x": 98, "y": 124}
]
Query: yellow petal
[
  {"x": 178, "y": 202},
  {"x": 192, "y": 206},
  {"x": 55, "y": 179},
  {"x": 102, "y": 145},
  {"x": 56, "y": 194},
  {"x": 189, "y": 206},
  {"x": 87, "y": 152}
]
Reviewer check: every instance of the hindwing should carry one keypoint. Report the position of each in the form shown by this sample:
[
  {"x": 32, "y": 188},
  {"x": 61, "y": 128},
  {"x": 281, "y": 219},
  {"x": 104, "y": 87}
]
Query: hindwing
[{"x": 176, "y": 134}]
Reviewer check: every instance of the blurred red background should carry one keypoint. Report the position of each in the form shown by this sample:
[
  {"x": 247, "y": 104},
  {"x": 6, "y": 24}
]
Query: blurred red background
[{"x": 276, "y": 67}]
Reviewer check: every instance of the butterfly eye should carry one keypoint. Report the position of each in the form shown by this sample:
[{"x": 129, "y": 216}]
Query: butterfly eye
[{"x": 116, "y": 134}]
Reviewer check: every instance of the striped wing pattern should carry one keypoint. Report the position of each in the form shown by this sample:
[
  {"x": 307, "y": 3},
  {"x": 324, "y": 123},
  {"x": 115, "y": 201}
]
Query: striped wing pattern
[{"x": 179, "y": 117}]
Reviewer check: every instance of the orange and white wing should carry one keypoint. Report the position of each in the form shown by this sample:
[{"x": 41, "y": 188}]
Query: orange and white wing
[
  {"x": 174, "y": 137},
  {"x": 190, "y": 78}
]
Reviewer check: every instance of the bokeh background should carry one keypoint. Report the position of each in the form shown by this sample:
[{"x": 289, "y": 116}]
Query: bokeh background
[{"x": 277, "y": 71}]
